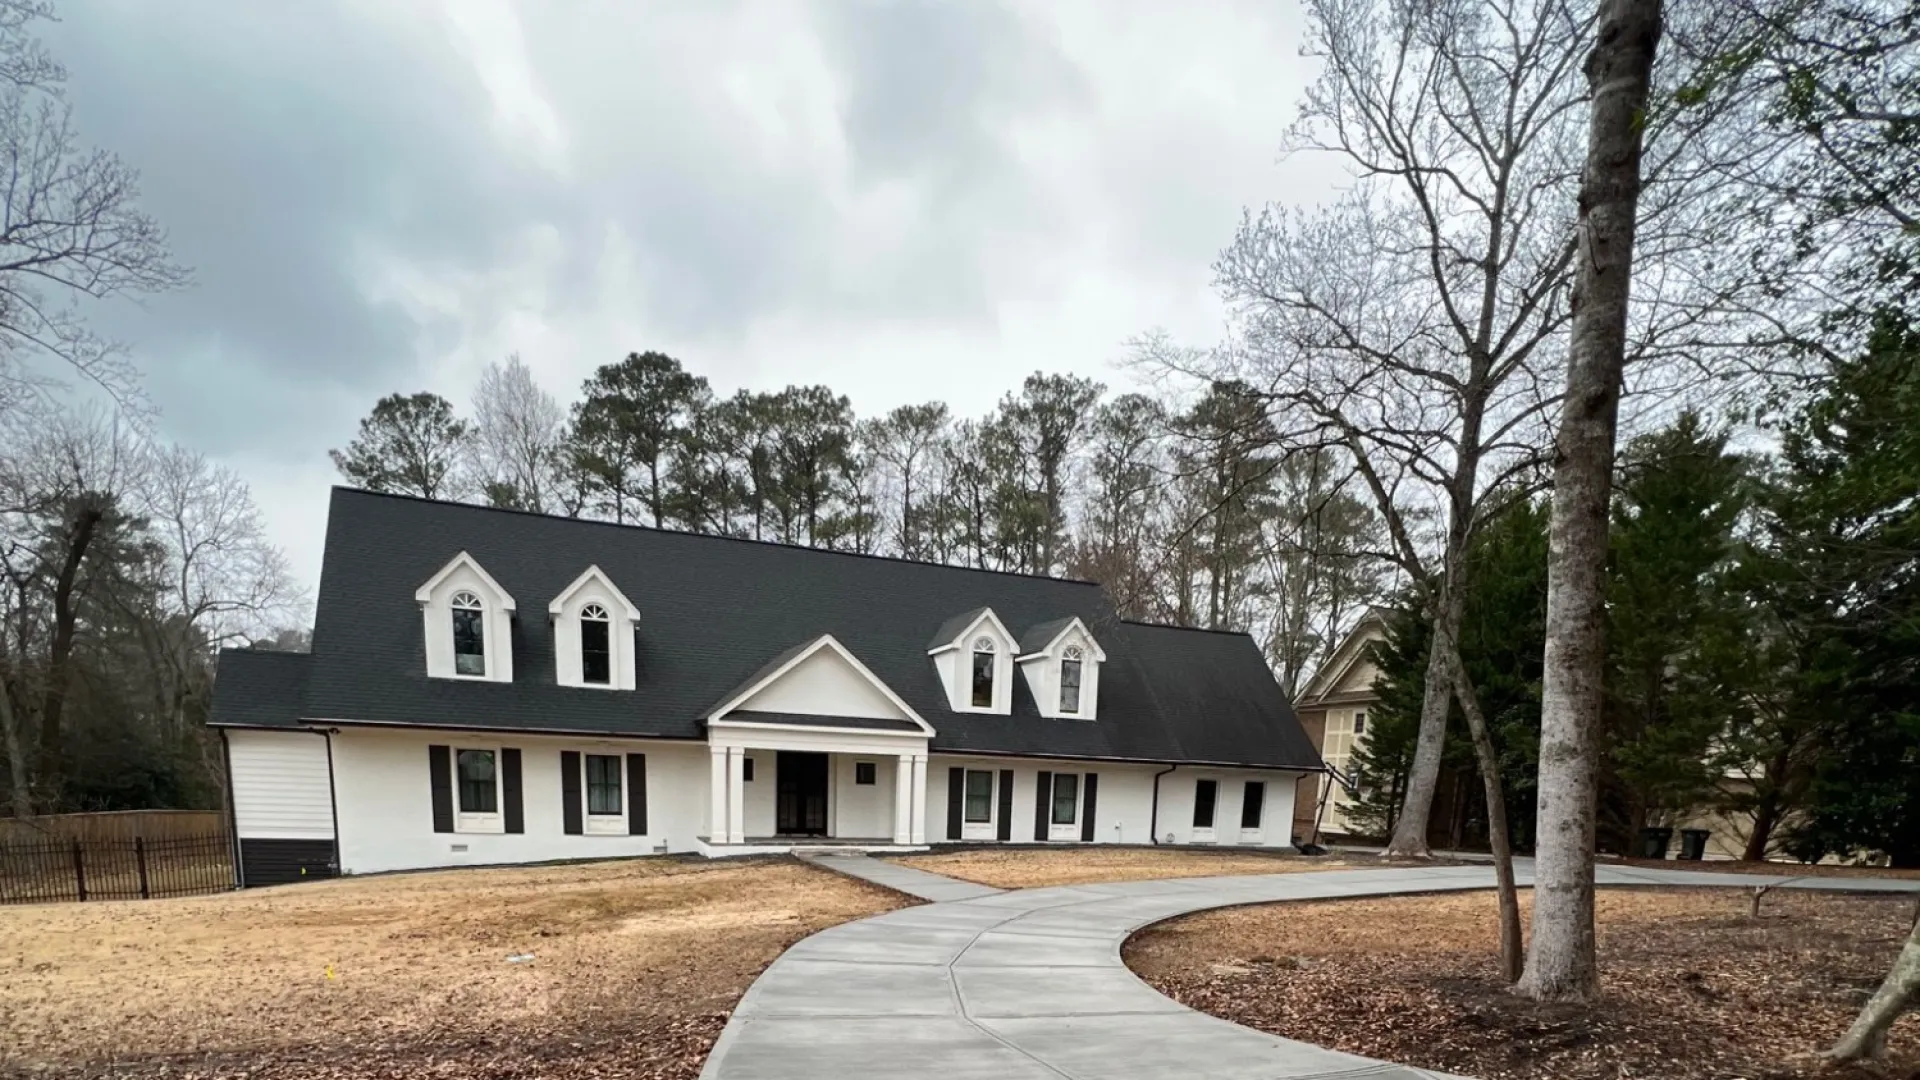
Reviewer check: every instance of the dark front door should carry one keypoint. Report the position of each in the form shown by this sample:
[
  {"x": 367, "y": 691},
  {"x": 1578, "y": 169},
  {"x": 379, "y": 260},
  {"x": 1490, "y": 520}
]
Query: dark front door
[{"x": 800, "y": 794}]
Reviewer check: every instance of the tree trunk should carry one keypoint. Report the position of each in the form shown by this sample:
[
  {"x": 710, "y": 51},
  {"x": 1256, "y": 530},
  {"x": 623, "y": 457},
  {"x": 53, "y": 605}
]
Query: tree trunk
[
  {"x": 1498, "y": 838},
  {"x": 1409, "y": 838},
  {"x": 1764, "y": 818},
  {"x": 1867, "y": 1038},
  {"x": 86, "y": 518},
  {"x": 22, "y": 791},
  {"x": 1561, "y": 966}
]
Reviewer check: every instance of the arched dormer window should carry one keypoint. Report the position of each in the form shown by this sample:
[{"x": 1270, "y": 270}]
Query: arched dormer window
[
  {"x": 469, "y": 634},
  {"x": 983, "y": 668},
  {"x": 596, "y": 645},
  {"x": 1070, "y": 665}
]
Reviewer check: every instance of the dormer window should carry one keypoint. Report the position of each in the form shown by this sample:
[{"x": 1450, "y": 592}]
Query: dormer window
[
  {"x": 973, "y": 653},
  {"x": 468, "y": 623},
  {"x": 596, "y": 645},
  {"x": 593, "y": 634},
  {"x": 469, "y": 635},
  {"x": 983, "y": 665},
  {"x": 1070, "y": 679}
]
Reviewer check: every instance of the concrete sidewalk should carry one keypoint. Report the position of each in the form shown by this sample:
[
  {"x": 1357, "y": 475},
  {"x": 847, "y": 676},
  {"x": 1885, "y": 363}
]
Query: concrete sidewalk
[
  {"x": 935, "y": 887},
  {"x": 1029, "y": 984}
]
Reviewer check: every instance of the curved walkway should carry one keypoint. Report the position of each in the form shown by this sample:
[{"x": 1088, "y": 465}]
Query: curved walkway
[{"x": 1029, "y": 984}]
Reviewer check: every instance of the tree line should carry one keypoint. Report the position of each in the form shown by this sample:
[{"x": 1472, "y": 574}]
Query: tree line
[{"x": 1189, "y": 515}]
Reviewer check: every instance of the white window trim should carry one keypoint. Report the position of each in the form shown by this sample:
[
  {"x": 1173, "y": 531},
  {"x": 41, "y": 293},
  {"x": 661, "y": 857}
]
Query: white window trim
[
  {"x": 486, "y": 637},
  {"x": 614, "y": 824},
  {"x": 480, "y": 823},
  {"x": 981, "y": 830},
  {"x": 960, "y": 672},
  {"x": 1071, "y": 829},
  {"x": 1043, "y": 666}
]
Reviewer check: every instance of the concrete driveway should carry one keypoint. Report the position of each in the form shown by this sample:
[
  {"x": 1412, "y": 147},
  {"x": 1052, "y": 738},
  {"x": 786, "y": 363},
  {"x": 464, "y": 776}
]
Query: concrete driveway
[{"x": 1029, "y": 983}]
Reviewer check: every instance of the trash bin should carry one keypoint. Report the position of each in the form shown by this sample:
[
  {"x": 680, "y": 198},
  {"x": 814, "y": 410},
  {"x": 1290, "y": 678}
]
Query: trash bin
[
  {"x": 1653, "y": 842},
  {"x": 1693, "y": 844}
]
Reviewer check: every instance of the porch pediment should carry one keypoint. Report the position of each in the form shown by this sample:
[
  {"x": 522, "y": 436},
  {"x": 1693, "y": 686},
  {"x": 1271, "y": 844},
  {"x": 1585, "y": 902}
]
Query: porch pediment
[{"x": 818, "y": 684}]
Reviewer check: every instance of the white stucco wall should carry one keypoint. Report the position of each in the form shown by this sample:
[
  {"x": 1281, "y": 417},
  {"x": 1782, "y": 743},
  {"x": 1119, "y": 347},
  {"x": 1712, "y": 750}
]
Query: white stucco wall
[
  {"x": 280, "y": 785},
  {"x": 1122, "y": 809},
  {"x": 823, "y": 684},
  {"x": 1276, "y": 821},
  {"x": 862, "y": 810},
  {"x": 386, "y": 802}
]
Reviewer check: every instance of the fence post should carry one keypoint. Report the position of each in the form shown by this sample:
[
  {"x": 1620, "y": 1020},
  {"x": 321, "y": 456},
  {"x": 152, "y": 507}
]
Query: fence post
[
  {"x": 79, "y": 871},
  {"x": 140, "y": 857}
]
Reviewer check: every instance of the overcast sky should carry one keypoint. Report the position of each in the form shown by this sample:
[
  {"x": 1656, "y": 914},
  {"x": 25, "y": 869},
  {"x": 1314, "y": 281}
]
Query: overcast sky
[{"x": 903, "y": 201}]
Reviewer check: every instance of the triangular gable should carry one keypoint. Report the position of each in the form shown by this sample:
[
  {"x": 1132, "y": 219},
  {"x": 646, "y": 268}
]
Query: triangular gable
[
  {"x": 972, "y": 626},
  {"x": 821, "y": 679},
  {"x": 594, "y": 574},
  {"x": 1041, "y": 639},
  {"x": 424, "y": 594},
  {"x": 1371, "y": 628}
]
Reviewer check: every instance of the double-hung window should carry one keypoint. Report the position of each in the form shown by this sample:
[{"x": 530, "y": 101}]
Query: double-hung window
[
  {"x": 983, "y": 665},
  {"x": 476, "y": 776},
  {"x": 1065, "y": 815},
  {"x": 1070, "y": 680},
  {"x": 979, "y": 797},
  {"x": 605, "y": 773},
  {"x": 596, "y": 646},
  {"x": 469, "y": 635}
]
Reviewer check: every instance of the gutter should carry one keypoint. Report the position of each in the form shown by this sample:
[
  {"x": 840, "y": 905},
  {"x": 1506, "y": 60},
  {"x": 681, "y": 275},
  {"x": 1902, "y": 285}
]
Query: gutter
[{"x": 1153, "y": 824}]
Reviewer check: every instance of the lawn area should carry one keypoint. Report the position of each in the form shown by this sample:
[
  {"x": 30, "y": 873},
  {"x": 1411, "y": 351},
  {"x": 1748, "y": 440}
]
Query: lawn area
[
  {"x": 1034, "y": 868},
  {"x": 1694, "y": 988},
  {"x": 635, "y": 966}
]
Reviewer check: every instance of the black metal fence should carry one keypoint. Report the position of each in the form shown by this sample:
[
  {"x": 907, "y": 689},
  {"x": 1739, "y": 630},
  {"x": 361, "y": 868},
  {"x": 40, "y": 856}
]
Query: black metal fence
[{"x": 136, "y": 869}]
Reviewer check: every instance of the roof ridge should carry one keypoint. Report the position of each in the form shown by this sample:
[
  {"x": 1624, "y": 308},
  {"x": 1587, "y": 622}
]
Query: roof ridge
[
  {"x": 710, "y": 536},
  {"x": 1194, "y": 629}
]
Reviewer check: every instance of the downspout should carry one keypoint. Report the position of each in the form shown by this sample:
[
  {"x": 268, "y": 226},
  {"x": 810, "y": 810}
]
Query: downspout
[
  {"x": 333, "y": 800},
  {"x": 1153, "y": 823}
]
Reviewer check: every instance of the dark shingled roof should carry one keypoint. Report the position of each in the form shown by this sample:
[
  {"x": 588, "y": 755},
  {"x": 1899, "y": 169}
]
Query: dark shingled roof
[
  {"x": 257, "y": 688},
  {"x": 713, "y": 610},
  {"x": 866, "y": 723},
  {"x": 952, "y": 627},
  {"x": 1039, "y": 637}
]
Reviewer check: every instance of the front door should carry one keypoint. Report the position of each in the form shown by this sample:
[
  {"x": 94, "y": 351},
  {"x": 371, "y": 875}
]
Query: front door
[{"x": 800, "y": 794}]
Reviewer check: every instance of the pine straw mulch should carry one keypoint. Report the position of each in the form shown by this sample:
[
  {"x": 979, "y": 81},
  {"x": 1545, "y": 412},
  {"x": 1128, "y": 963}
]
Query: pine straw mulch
[
  {"x": 635, "y": 967},
  {"x": 1693, "y": 987},
  {"x": 1036, "y": 868},
  {"x": 1784, "y": 869}
]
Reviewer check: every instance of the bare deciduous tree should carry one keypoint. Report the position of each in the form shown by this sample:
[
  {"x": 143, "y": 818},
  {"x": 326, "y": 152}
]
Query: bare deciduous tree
[
  {"x": 517, "y": 436},
  {"x": 1561, "y": 964}
]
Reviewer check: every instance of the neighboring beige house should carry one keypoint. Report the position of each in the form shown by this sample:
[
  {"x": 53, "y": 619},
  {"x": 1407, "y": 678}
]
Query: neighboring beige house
[{"x": 1333, "y": 708}]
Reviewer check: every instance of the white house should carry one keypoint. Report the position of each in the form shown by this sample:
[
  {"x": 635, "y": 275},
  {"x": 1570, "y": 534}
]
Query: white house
[{"x": 489, "y": 686}]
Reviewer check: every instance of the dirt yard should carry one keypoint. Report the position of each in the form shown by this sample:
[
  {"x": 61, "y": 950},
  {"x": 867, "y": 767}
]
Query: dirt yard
[
  {"x": 1034, "y": 868},
  {"x": 633, "y": 969},
  {"x": 1694, "y": 988}
]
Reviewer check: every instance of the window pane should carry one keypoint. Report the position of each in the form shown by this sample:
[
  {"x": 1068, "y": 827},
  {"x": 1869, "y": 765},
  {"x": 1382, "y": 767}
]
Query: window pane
[
  {"x": 603, "y": 784},
  {"x": 863, "y": 772},
  {"x": 596, "y": 652},
  {"x": 1359, "y": 723},
  {"x": 1203, "y": 795},
  {"x": 1069, "y": 686},
  {"x": 979, "y": 796},
  {"x": 469, "y": 643},
  {"x": 1066, "y": 798},
  {"x": 983, "y": 680},
  {"x": 477, "y": 794},
  {"x": 1252, "y": 804}
]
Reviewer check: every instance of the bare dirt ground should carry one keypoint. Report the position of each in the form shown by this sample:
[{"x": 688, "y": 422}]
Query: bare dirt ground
[
  {"x": 1787, "y": 869},
  {"x": 635, "y": 966},
  {"x": 1694, "y": 988},
  {"x": 1034, "y": 868}
]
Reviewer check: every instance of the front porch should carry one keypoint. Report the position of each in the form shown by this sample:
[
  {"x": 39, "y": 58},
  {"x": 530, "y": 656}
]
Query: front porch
[{"x": 775, "y": 792}]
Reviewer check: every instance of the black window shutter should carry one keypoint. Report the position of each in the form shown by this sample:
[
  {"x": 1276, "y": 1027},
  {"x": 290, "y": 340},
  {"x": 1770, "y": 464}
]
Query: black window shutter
[
  {"x": 637, "y": 794},
  {"x": 1089, "y": 794},
  {"x": 516, "y": 813},
  {"x": 1042, "y": 797},
  {"x": 440, "y": 780},
  {"x": 1006, "y": 804},
  {"x": 956, "y": 795},
  {"x": 570, "y": 793}
]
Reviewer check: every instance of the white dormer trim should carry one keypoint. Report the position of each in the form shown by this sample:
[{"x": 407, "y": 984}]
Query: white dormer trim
[
  {"x": 954, "y": 661},
  {"x": 1056, "y": 643},
  {"x": 1042, "y": 668},
  {"x": 592, "y": 575},
  {"x": 464, "y": 574},
  {"x": 828, "y": 642},
  {"x": 593, "y": 587},
  {"x": 425, "y": 593}
]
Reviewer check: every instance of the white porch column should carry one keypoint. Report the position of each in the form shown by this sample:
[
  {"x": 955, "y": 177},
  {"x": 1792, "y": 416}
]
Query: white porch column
[
  {"x": 903, "y": 799},
  {"x": 736, "y": 795},
  {"x": 919, "y": 828},
  {"x": 717, "y": 795}
]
